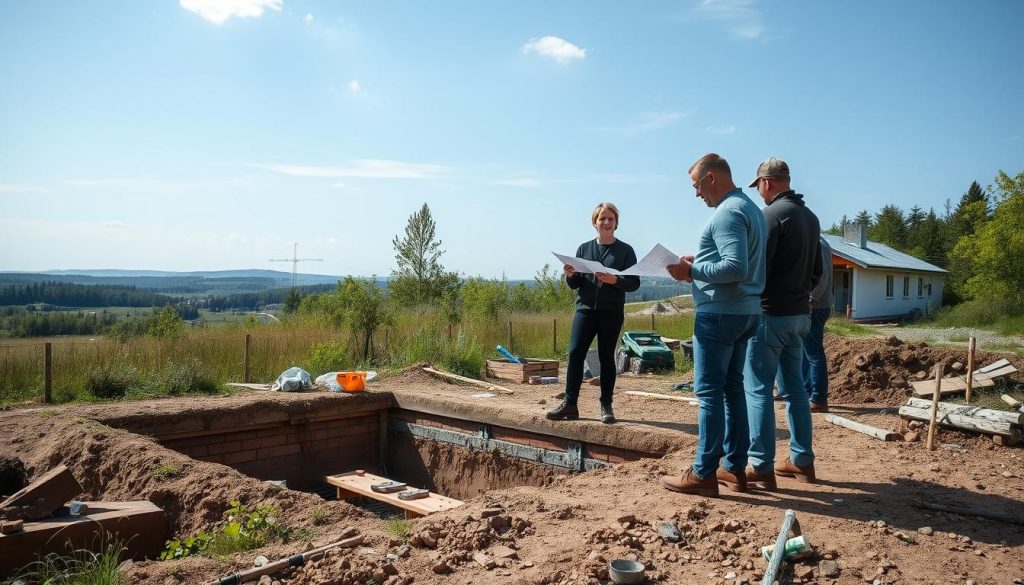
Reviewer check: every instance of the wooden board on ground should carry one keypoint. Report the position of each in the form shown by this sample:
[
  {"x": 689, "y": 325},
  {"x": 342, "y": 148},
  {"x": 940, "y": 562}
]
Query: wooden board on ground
[
  {"x": 951, "y": 385},
  {"x": 137, "y": 526},
  {"x": 983, "y": 377},
  {"x": 249, "y": 386},
  {"x": 687, "y": 399},
  {"x": 351, "y": 485},
  {"x": 506, "y": 370},
  {"x": 46, "y": 494}
]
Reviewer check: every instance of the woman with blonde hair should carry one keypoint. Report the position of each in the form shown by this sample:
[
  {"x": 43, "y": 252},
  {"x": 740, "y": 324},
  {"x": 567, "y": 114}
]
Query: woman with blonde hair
[{"x": 600, "y": 302}]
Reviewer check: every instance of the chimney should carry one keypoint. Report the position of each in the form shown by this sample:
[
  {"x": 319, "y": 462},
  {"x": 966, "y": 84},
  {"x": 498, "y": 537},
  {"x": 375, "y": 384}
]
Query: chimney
[{"x": 856, "y": 234}]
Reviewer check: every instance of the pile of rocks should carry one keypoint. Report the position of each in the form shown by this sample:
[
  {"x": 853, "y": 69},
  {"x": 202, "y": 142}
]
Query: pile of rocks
[
  {"x": 351, "y": 568},
  {"x": 461, "y": 541}
]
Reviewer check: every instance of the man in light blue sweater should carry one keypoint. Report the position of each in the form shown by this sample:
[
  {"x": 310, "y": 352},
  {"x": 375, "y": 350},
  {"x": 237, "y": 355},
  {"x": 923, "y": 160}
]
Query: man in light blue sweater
[{"x": 728, "y": 275}]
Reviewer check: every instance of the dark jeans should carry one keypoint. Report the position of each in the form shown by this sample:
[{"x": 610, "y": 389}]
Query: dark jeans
[
  {"x": 719, "y": 351},
  {"x": 815, "y": 366},
  {"x": 587, "y": 324}
]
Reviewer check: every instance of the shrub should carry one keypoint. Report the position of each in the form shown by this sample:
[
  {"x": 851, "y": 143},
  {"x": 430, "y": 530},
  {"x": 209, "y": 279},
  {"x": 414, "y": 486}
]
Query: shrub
[
  {"x": 187, "y": 377},
  {"x": 465, "y": 358},
  {"x": 114, "y": 380},
  {"x": 246, "y": 529},
  {"x": 332, "y": 356}
]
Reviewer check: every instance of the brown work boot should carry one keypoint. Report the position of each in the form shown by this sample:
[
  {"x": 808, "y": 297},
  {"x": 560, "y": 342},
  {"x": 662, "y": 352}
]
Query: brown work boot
[
  {"x": 563, "y": 411},
  {"x": 689, "y": 483},
  {"x": 764, "y": 481},
  {"x": 803, "y": 473},
  {"x": 736, "y": 482},
  {"x": 816, "y": 407}
]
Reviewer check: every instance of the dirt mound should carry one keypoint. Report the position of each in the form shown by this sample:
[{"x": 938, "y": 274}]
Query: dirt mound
[{"x": 880, "y": 370}]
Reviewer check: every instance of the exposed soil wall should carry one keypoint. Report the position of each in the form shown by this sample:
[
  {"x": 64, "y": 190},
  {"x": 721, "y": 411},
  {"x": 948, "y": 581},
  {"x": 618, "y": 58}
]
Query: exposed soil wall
[{"x": 458, "y": 472}]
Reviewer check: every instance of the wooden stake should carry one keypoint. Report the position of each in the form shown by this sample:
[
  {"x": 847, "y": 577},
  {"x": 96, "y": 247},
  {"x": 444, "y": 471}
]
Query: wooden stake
[
  {"x": 554, "y": 335},
  {"x": 245, "y": 361},
  {"x": 508, "y": 341},
  {"x": 935, "y": 407},
  {"x": 970, "y": 368},
  {"x": 48, "y": 373},
  {"x": 652, "y": 322}
]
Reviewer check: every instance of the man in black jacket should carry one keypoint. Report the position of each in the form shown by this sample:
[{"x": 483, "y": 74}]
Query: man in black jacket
[{"x": 793, "y": 268}]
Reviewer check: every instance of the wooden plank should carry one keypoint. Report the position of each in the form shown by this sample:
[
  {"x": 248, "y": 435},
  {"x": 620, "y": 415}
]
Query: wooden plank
[
  {"x": 883, "y": 434},
  {"x": 521, "y": 372},
  {"x": 1002, "y": 416},
  {"x": 655, "y": 396},
  {"x": 956, "y": 421},
  {"x": 46, "y": 494},
  {"x": 458, "y": 378},
  {"x": 137, "y": 526},
  {"x": 351, "y": 484},
  {"x": 993, "y": 366},
  {"x": 249, "y": 386},
  {"x": 950, "y": 385},
  {"x": 963, "y": 511}
]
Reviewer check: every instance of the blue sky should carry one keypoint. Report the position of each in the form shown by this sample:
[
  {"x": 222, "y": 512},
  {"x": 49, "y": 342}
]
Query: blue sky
[{"x": 212, "y": 134}]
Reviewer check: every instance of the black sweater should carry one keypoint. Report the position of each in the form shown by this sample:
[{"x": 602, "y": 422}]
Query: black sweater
[
  {"x": 591, "y": 294},
  {"x": 792, "y": 262}
]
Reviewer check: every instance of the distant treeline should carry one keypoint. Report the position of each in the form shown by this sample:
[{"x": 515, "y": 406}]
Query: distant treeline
[
  {"x": 40, "y": 324},
  {"x": 254, "y": 301},
  {"x": 64, "y": 294}
]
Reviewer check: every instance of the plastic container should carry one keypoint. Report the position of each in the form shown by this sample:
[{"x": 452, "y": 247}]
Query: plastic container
[
  {"x": 625, "y": 571},
  {"x": 352, "y": 381},
  {"x": 796, "y": 548}
]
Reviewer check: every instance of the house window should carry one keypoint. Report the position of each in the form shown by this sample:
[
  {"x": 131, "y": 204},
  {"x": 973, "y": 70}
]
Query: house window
[
  {"x": 920, "y": 287},
  {"x": 889, "y": 285},
  {"x": 906, "y": 287}
]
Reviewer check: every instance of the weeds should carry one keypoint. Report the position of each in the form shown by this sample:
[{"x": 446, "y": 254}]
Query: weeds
[
  {"x": 318, "y": 515},
  {"x": 398, "y": 527},
  {"x": 166, "y": 471},
  {"x": 80, "y": 567},
  {"x": 847, "y": 328},
  {"x": 246, "y": 529}
]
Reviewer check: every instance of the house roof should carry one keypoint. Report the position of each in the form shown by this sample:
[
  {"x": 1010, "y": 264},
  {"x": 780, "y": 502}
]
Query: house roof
[{"x": 878, "y": 256}]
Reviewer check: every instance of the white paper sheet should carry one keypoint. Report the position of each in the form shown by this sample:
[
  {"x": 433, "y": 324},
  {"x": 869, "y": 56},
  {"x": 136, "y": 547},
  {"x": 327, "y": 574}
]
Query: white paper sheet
[{"x": 654, "y": 263}]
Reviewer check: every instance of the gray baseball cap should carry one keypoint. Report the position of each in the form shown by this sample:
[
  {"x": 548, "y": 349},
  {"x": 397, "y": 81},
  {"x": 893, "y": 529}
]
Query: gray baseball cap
[{"x": 771, "y": 167}]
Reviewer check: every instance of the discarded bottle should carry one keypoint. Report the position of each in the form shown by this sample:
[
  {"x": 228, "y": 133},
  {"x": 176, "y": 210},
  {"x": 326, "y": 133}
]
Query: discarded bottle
[
  {"x": 511, "y": 358},
  {"x": 796, "y": 548}
]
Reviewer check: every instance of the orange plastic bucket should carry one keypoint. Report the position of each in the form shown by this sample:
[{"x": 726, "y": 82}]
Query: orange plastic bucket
[{"x": 352, "y": 381}]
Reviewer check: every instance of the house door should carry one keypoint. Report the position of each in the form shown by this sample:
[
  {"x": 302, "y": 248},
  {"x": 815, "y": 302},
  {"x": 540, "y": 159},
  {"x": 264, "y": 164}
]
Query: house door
[{"x": 842, "y": 289}]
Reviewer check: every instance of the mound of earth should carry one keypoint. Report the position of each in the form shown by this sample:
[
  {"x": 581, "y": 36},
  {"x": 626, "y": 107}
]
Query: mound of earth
[{"x": 880, "y": 370}]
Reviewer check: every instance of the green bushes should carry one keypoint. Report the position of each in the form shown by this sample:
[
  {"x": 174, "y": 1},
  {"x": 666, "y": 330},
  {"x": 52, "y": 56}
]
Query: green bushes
[
  {"x": 245, "y": 529},
  {"x": 114, "y": 380},
  {"x": 333, "y": 356}
]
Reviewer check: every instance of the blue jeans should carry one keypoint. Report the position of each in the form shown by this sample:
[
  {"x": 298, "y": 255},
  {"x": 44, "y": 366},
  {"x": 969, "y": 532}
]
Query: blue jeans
[
  {"x": 719, "y": 348},
  {"x": 815, "y": 366},
  {"x": 778, "y": 348}
]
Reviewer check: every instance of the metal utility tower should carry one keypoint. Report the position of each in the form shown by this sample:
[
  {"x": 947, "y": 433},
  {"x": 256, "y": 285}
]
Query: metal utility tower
[{"x": 295, "y": 262}]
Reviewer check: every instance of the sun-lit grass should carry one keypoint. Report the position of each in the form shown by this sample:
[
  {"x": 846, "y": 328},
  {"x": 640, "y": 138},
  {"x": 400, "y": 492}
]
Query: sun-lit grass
[
  {"x": 92, "y": 368},
  {"x": 847, "y": 328}
]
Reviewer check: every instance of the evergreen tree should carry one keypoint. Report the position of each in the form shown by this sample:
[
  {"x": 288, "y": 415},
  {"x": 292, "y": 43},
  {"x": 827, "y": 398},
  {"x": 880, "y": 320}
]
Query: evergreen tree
[
  {"x": 419, "y": 277},
  {"x": 889, "y": 228}
]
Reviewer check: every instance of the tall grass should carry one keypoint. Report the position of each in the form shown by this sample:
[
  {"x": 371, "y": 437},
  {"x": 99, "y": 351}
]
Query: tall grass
[
  {"x": 1002, "y": 317},
  {"x": 103, "y": 368}
]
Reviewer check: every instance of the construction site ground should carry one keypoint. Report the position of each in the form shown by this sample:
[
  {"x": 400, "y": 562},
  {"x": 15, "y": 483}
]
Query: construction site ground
[{"x": 862, "y": 516}]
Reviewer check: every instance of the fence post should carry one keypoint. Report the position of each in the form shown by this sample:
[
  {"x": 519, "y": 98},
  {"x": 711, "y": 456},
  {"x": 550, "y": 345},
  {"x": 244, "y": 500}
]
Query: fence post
[
  {"x": 508, "y": 341},
  {"x": 554, "y": 335},
  {"x": 450, "y": 332},
  {"x": 652, "y": 322},
  {"x": 245, "y": 360},
  {"x": 48, "y": 373}
]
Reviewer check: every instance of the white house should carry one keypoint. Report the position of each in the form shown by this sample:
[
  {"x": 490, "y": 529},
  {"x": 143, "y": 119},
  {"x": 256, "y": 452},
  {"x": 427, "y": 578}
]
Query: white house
[{"x": 873, "y": 282}]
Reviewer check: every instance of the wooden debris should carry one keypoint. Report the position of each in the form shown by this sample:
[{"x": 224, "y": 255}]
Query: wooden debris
[
  {"x": 686, "y": 399},
  {"x": 44, "y": 496},
  {"x": 448, "y": 375},
  {"x": 983, "y": 377},
  {"x": 964, "y": 417},
  {"x": 282, "y": 564},
  {"x": 883, "y": 434},
  {"x": 1009, "y": 417},
  {"x": 522, "y": 372}
]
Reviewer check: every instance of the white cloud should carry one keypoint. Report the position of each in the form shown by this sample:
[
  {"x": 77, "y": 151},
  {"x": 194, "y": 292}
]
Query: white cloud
[
  {"x": 364, "y": 169},
  {"x": 219, "y": 11},
  {"x": 649, "y": 121},
  {"x": 15, "y": 188},
  {"x": 308, "y": 19},
  {"x": 354, "y": 87},
  {"x": 558, "y": 49},
  {"x": 742, "y": 20},
  {"x": 338, "y": 185},
  {"x": 723, "y": 129},
  {"x": 114, "y": 224}
]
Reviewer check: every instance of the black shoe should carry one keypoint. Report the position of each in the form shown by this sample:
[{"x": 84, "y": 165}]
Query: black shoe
[
  {"x": 564, "y": 411},
  {"x": 607, "y": 416}
]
